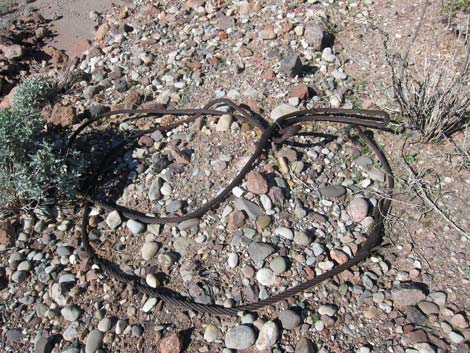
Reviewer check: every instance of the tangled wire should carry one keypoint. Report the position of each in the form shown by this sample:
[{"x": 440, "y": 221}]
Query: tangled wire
[{"x": 277, "y": 133}]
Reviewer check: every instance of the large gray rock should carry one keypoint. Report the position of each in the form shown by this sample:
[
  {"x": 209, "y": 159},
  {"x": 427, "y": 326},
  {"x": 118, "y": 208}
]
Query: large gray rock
[
  {"x": 259, "y": 251},
  {"x": 407, "y": 294},
  {"x": 252, "y": 210},
  {"x": 291, "y": 65},
  {"x": 239, "y": 337},
  {"x": 94, "y": 341}
]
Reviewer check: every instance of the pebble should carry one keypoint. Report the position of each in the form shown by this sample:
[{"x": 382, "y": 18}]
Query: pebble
[
  {"x": 232, "y": 260},
  {"x": 332, "y": 191},
  {"x": 19, "y": 276},
  {"x": 327, "y": 309},
  {"x": 211, "y": 332},
  {"x": 113, "y": 220},
  {"x": 240, "y": 337},
  {"x": 428, "y": 307},
  {"x": 281, "y": 110},
  {"x": 105, "y": 324},
  {"x": 149, "y": 304},
  {"x": 256, "y": 183},
  {"x": 259, "y": 251},
  {"x": 291, "y": 65},
  {"x": 71, "y": 312},
  {"x": 135, "y": 227},
  {"x": 149, "y": 249},
  {"x": 407, "y": 294},
  {"x": 268, "y": 336},
  {"x": 289, "y": 319},
  {"x": 284, "y": 233},
  {"x": 265, "y": 277},
  {"x": 278, "y": 265},
  {"x": 358, "y": 209},
  {"x": 304, "y": 345},
  {"x": 424, "y": 347},
  {"x": 94, "y": 341},
  {"x": 456, "y": 337},
  {"x": 120, "y": 326},
  {"x": 252, "y": 210},
  {"x": 224, "y": 123},
  {"x": 171, "y": 344},
  {"x": 302, "y": 238},
  {"x": 152, "y": 280}
]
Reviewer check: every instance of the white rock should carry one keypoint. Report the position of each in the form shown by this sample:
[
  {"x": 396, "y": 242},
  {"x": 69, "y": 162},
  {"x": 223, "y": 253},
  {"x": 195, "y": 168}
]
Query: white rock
[
  {"x": 113, "y": 220},
  {"x": 232, "y": 260},
  {"x": 135, "y": 226},
  {"x": 284, "y": 233},
  {"x": 268, "y": 336},
  {"x": 149, "y": 304},
  {"x": 281, "y": 110},
  {"x": 149, "y": 249},
  {"x": 265, "y": 277}
]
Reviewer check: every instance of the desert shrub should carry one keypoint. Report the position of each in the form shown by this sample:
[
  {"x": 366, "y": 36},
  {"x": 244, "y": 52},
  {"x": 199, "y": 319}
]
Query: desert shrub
[
  {"x": 32, "y": 165},
  {"x": 432, "y": 94}
]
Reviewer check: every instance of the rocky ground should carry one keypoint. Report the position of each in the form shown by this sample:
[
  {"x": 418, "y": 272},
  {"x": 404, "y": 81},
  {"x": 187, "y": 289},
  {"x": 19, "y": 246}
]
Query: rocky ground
[{"x": 305, "y": 208}]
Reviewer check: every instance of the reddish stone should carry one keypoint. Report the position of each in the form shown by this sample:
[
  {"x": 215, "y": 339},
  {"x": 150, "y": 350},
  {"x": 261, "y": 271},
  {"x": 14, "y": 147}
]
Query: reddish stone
[
  {"x": 213, "y": 61},
  {"x": 223, "y": 35},
  {"x": 171, "y": 344},
  {"x": 256, "y": 183},
  {"x": 7, "y": 233},
  {"x": 57, "y": 56},
  {"x": 132, "y": 100},
  {"x": 235, "y": 220},
  {"x": 300, "y": 91},
  {"x": 245, "y": 52},
  {"x": 267, "y": 33},
  {"x": 146, "y": 141},
  {"x": 80, "y": 48},
  {"x": 268, "y": 75},
  {"x": 63, "y": 116},
  {"x": 338, "y": 256},
  {"x": 195, "y": 65}
]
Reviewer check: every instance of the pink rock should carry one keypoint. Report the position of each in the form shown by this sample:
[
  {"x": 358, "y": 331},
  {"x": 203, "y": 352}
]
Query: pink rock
[
  {"x": 235, "y": 220},
  {"x": 62, "y": 116},
  {"x": 171, "y": 344},
  {"x": 256, "y": 183},
  {"x": 358, "y": 209}
]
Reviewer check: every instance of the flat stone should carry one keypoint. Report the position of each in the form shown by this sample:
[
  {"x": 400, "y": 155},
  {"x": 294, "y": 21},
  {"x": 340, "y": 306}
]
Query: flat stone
[
  {"x": 407, "y": 294},
  {"x": 289, "y": 319},
  {"x": 71, "y": 312},
  {"x": 281, "y": 110},
  {"x": 149, "y": 304},
  {"x": 252, "y": 210},
  {"x": 285, "y": 233},
  {"x": 327, "y": 309},
  {"x": 313, "y": 35},
  {"x": 240, "y": 337},
  {"x": 425, "y": 347},
  {"x": 428, "y": 307},
  {"x": 259, "y": 251},
  {"x": 256, "y": 183},
  {"x": 190, "y": 223},
  {"x": 13, "y": 335},
  {"x": 439, "y": 298},
  {"x": 268, "y": 336},
  {"x": 94, "y": 341},
  {"x": 456, "y": 337},
  {"x": 332, "y": 191}
]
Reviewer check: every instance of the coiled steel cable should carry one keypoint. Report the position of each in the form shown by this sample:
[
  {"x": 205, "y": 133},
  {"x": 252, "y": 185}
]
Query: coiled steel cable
[{"x": 278, "y": 132}]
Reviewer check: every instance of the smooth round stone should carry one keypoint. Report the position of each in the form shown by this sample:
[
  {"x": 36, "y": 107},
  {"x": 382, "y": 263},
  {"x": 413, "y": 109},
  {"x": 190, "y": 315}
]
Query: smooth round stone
[
  {"x": 24, "y": 266},
  {"x": 284, "y": 233},
  {"x": 149, "y": 304},
  {"x": 232, "y": 260},
  {"x": 224, "y": 123},
  {"x": 265, "y": 277},
  {"x": 121, "y": 326},
  {"x": 105, "y": 324},
  {"x": 302, "y": 238},
  {"x": 166, "y": 189},
  {"x": 152, "y": 280},
  {"x": 71, "y": 312},
  {"x": 149, "y": 249},
  {"x": 289, "y": 319},
  {"x": 211, "y": 332},
  {"x": 137, "y": 330},
  {"x": 135, "y": 226},
  {"x": 63, "y": 251},
  {"x": 94, "y": 341},
  {"x": 248, "y": 271},
  {"x": 278, "y": 265},
  {"x": 328, "y": 310},
  {"x": 263, "y": 222},
  {"x": 268, "y": 336},
  {"x": 332, "y": 191},
  {"x": 240, "y": 337},
  {"x": 19, "y": 276},
  {"x": 358, "y": 209}
]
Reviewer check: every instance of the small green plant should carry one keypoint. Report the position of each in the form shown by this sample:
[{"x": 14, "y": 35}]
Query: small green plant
[
  {"x": 410, "y": 157},
  {"x": 467, "y": 271},
  {"x": 32, "y": 167},
  {"x": 28, "y": 10},
  {"x": 452, "y": 6}
]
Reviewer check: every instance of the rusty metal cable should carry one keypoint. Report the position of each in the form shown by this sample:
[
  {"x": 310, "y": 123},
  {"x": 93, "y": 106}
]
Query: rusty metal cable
[{"x": 280, "y": 131}]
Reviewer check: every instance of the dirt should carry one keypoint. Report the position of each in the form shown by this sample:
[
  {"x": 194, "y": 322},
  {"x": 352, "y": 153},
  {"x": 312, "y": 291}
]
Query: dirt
[{"x": 71, "y": 22}]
